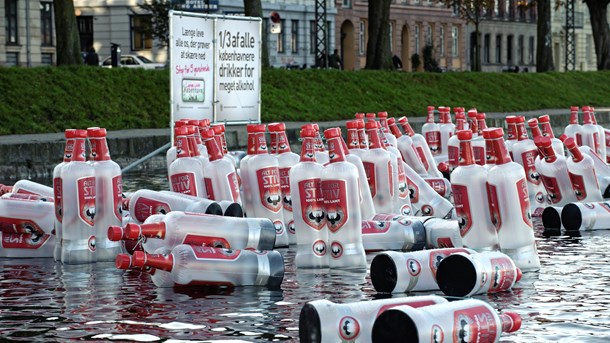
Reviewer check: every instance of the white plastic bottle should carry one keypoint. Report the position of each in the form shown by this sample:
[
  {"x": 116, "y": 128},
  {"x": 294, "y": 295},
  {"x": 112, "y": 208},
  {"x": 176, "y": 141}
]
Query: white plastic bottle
[
  {"x": 406, "y": 148},
  {"x": 601, "y": 136},
  {"x": 380, "y": 170},
  {"x": 70, "y": 135},
  {"x": 160, "y": 278},
  {"x": 321, "y": 153},
  {"x": 264, "y": 185},
  {"x": 286, "y": 159},
  {"x": 582, "y": 174},
  {"x": 547, "y": 130},
  {"x": 367, "y": 206},
  {"x": 553, "y": 170},
  {"x": 186, "y": 172},
  {"x": 509, "y": 207},
  {"x": 590, "y": 133},
  {"x": 254, "y": 130},
  {"x": 30, "y": 187},
  {"x": 78, "y": 199},
  {"x": 425, "y": 201},
  {"x": 469, "y": 186},
  {"x": 196, "y": 124},
  {"x": 602, "y": 170},
  {"x": 423, "y": 151},
  {"x": 143, "y": 203},
  {"x": 20, "y": 216},
  {"x": 171, "y": 154},
  {"x": 478, "y": 141},
  {"x": 525, "y": 153},
  {"x": 199, "y": 265},
  {"x": 574, "y": 129},
  {"x": 432, "y": 133},
  {"x": 453, "y": 143},
  {"x": 402, "y": 235},
  {"x": 511, "y": 134},
  {"x": 308, "y": 207},
  {"x": 108, "y": 195},
  {"x": 339, "y": 185},
  {"x": 447, "y": 129},
  {"x": 220, "y": 177},
  {"x": 19, "y": 245},
  {"x": 389, "y": 138}
]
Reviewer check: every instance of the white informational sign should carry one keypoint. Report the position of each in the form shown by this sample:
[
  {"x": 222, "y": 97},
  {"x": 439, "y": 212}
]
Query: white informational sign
[
  {"x": 192, "y": 67},
  {"x": 238, "y": 69},
  {"x": 215, "y": 67}
]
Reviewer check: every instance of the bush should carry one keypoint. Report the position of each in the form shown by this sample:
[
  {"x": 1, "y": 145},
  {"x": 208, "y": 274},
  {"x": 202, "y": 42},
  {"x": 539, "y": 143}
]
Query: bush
[{"x": 415, "y": 62}]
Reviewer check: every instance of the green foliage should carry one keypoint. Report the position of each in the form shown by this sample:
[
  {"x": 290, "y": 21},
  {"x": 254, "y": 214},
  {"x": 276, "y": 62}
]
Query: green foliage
[
  {"x": 51, "y": 99},
  {"x": 430, "y": 64},
  {"x": 415, "y": 61},
  {"x": 159, "y": 10}
]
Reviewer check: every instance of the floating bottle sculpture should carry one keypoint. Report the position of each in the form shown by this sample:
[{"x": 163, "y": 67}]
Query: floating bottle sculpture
[
  {"x": 406, "y": 148},
  {"x": 220, "y": 177},
  {"x": 422, "y": 148},
  {"x": 431, "y": 131},
  {"x": 547, "y": 131},
  {"x": 380, "y": 170},
  {"x": 525, "y": 153},
  {"x": 403, "y": 235},
  {"x": 574, "y": 129},
  {"x": 70, "y": 135},
  {"x": 553, "y": 170},
  {"x": 581, "y": 170},
  {"x": 186, "y": 172},
  {"x": 144, "y": 203}
]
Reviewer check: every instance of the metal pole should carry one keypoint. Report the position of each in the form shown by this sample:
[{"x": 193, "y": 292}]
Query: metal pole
[{"x": 146, "y": 158}]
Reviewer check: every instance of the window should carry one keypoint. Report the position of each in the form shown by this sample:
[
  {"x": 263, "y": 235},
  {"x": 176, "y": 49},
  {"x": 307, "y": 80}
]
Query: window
[
  {"x": 294, "y": 36},
  {"x": 417, "y": 51},
  {"x": 85, "y": 31},
  {"x": 429, "y": 35},
  {"x": 10, "y": 9},
  {"x": 499, "y": 49},
  {"x": 312, "y": 37},
  {"x": 361, "y": 42},
  {"x": 511, "y": 9},
  {"x": 509, "y": 49},
  {"x": 455, "y": 41},
  {"x": 46, "y": 23},
  {"x": 141, "y": 36},
  {"x": 589, "y": 52},
  {"x": 391, "y": 34},
  {"x": 281, "y": 37},
  {"x": 12, "y": 59},
  {"x": 486, "y": 48},
  {"x": 46, "y": 59},
  {"x": 455, "y": 9},
  {"x": 520, "y": 48},
  {"x": 496, "y": 8},
  {"x": 329, "y": 36},
  {"x": 347, "y": 3},
  {"x": 530, "y": 57},
  {"x": 442, "y": 41},
  {"x": 507, "y": 5}
]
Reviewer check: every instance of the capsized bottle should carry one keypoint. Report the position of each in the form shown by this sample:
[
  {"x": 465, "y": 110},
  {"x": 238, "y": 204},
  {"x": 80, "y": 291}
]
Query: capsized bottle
[
  {"x": 422, "y": 148},
  {"x": 220, "y": 177},
  {"x": 108, "y": 195},
  {"x": 406, "y": 148},
  {"x": 19, "y": 216},
  {"x": 200, "y": 265},
  {"x": 469, "y": 186},
  {"x": 78, "y": 206},
  {"x": 579, "y": 216},
  {"x": 581, "y": 170},
  {"x": 34, "y": 188},
  {"x": 425, "y": 201},
  {"x": 341, "y": 195},
  {"x": 325, "y": 321},
  {"x": 143, "y": 203},
  {"x": 160, "y": 278},
  {"x": 308, "y": 207},
  {"x": 553, "y": 170},
  {"x": 402, "y": 235},
  {"x": 469, "y": 320},
  {"x": 26, "y": 245},
  {"x": 510, "y": 208}
]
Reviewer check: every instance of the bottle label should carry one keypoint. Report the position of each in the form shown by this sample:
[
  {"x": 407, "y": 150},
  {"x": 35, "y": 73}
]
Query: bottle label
[
  {"x": 23, "y": 241},
  {"x": 312, "y": 203},
  {"x": 57, "y": 198},
  {"x": 85, "y": 188},
  {"x": 438, "y": 185},
  {"x": 184, "y": 183},
  {"x": 206, "y": 241},
  {"x": 269, "y": 188},
  {"x": 349, "y": 328},
  {"x": 453, "y": 155},
  {"x": 375, "y": 227},
  {"x": 433, "y": 138},
  {"x": 117, "y": 196},
  {"x": 552, "y": 189},
  {"x": 209, "y": 188},
  {"x": 17, "y": 225},
  {"x": 334, "y": 193},
  {"x": 390, "y": 178},
  {"x": 285, "y": 187},
  {"x": 422, "y": 157},
  {"x": 352, "y": 139},
  {"x": 494, "y": 206},
  {"x": 503, "y": 274},
  {"x": 462, "y": 208},
  {"x": 413, "y": 191},
  {"x": 596, "y": 145},
  {"x": 474, "y": 324},
  {"x": 204, "y": 252},
  {"x": 437, "y": 255},
  {"x": 524, "y": 201},
  {"x": 24, "y": 191},
  {"x": 233, "y": 184},
  {"x": 369, "y": 169},
  {"x": 403, "y": 191},
  {"x": 145, "y": 207},
  {"x": 528, "y": 158},
  {"x": 319, "y": 247},
  {"x": 478, "y": 153}
]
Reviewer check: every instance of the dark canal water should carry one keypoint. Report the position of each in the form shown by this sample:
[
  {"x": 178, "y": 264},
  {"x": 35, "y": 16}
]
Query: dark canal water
[{"x": 566, "y": 301}]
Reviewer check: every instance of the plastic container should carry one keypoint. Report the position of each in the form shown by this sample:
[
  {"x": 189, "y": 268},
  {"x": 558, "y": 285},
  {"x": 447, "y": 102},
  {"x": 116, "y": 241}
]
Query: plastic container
[
  {"x": 425, "y": 201},
  {"x": 20, "y": 245},
  {"x": 442, "y": 233},
  {"x": 206, "y": 266},
  {"x": 325, "y": 321},
  {"x": 586, "y": 216},
  {"x": 422, "y": 149},
  {"x": 432, "y": 133},
  {"x": 403, "y": 235},
  {"x": 407, "y": 150},
  {"x": 574, "y": 129},
  {"x": 453, "y": 144},
  {"x": 33, "y": 188},
  {"x": 367, "y": 206},
  {"x": 186, "y": 172},
  {"x": 525, "y": 153},
  {"x": 547, "y": 131},
  {"x": 447, "y": 129},
  {"x": 160, "y": 278},
  {"x": 380, "y": 170},
  {"x": 220, "y": 177},
  {"x": 70, "y": 135},
  {"x": 553, "y": 170},
  {"x": 581, "y": 170},
  {"x": 145, "y": 202}
]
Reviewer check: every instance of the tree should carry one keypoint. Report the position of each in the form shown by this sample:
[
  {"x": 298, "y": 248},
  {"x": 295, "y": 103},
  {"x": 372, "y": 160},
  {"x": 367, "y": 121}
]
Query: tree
[
  {"x": 159, "y": 10},
  {"x": 544, "y": 46},
  {"x": 254, "y": 8},
  {"x": 473, "y": 11},
  {"x": 378, "y": 54},
  {"x": 66, "y": 33},
  {"x": 601, "y": 33}
]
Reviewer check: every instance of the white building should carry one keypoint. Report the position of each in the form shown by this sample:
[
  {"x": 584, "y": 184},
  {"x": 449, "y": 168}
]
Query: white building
[{"x": 583, "y": 38}]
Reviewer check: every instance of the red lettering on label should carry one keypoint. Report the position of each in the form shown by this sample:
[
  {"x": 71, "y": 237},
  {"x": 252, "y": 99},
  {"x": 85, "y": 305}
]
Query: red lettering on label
[
  {"x": 369, "y": 169},
  {"x": 269, "y": 188},
  {"x": 85, "y": 187},
  {"x": 204, "y": 252},
  {"x": 184, "y": 183},
  {"x": 462, "y": 208}
]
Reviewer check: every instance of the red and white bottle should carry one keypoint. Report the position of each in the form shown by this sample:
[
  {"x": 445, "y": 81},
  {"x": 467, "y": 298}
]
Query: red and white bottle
[
  {"x": 453, "y": 144},
  {"x": 340, "y": 191},
  {"x": 160, "y": 278},
  {"x": 547, "y": 130},
  {"x": 254, "y": 132},
  {"x": 590, "y": 133},
  {"x": 553, "y": 170},
  {"x": 469, "y": 186},
  {"x": 321, "y": 153},
  {"x": 581, "y": 170},
  {"x": 108, "y": 195},
  {"x": 406, "y": 148},
  {"x": 469, "y": 320},
  {"x": 432, "y": 132},
  {"x": 362, "y": 137},
  {"x": 143, "y": 203},
  {"x": 196, "y": 124},
  {"x": 425, "y": 201},
  {"x": 402, "y": 235},
  {"x": 511, "y": 134},
  {"x": 172, "y": 154},
  {"x": 574, "y": 129},
  {"x": 78, "y": 206},
  {"x": 602, "y": 135},
  {"x": 70, "y": 135},
  {"x": 402, "y": 201},
  {"x": 447, "y": 129},
  {"x": 510, "y": 207},
  {"x": 186, "y": 172},
  {"x": 389, "y": 138},
  {"x": 607, "y": 138},
  {"x": 525, "y": 153},
  {"x": 422, "y": 149},
  {"x": 179, "y": 227},
  {"x": 34, "y": 188},
  {"x": 381, "y": 171},
  {"x": 286, "y": 159},
  {"x": 199, "y": 265},
  {"x": 367, "y": 206},
  {"x": 602, "y": 170},
  {"x": 26, "y": 245},
  {"x": 22, "y": 216},
  {"x": 308, "y": 207},
  {"x": 220, "y": 177},
  {"x": 264, "y": 187}
]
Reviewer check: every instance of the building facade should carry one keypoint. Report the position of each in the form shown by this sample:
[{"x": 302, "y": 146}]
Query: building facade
[{"x": 584, "y": 46}]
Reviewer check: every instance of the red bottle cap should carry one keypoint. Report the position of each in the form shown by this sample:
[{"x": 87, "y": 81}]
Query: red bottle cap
[
  {"x": 533, "y": 122},
  {"x": 520, "y": 119},
  {"x": 481, "y": 116},
  {"x": 464, "y": 135},
  {"x": 511, "y": 321},
  {"x": 360, "y": 123},
  {"x": 194, "y": 122},
  {"x": 70, "y": 133},
  {"x": 544, "y": 119},
  {"x": 460, "y": 115},
  {"x": 496, "y": 133},
  {"x": 207, "y": 134},
  {"x": 115, "y": 233},
  {"x": 308, "y": 133},
  {"x": 351, "y": 124},
  {"x": 403, "y": 120},
  {"x": 487, "y": 132},
  {"x": 122, "y": 261},
  {"x": 511, "y": 119},
  {"x": 430, "y": 108},
  {"x": 180, "y": 131},
  {"x": 132, "y": 231},
  {"x": 181, "y": 123},
  {"x": 391, "y": 121},
  {"x": 308, "y": 126},
  {"x": 5, "y": 189},
  {"x": 472, "y": 114},
  {"x": 382, "y": 115},
  {"x": 255, "y": 128},
  {"x": 574, "y": 108},
  {"x": 443, "y": 167},
  {"x": 569, "y": 142},
  {"x": 96, "y": 132},
  {"x": 519, "y": 274},
  {"x": 370, "y": 115},
  {"x": 543, "y": 142},
  {"x": 332, "y": 133},
  {"x": 586, "y": 108},
  {"x": 81, "y": 133},
  {"x": 370, "y": 125},
  {"x": 276, "y": 127},
  {"x": 359, "y": 116}
]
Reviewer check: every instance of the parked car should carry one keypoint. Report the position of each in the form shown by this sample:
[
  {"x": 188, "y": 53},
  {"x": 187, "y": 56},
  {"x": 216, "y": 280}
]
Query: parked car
[{"x": 133, "y": 61}]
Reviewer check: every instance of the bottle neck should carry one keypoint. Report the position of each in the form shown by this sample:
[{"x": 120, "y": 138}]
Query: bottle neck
[
  {"x": 384, "y": 125},
  {"x": 395, "y": 130},
  {"x": 535, "y": 131},
  {"x": 500, "y": 151},
  {"x": 69, "y": 149},
  {"x": 481, "y": 125},
  {"x": 308, "y": 150},
  {"x": 352, "y": 138},
  {"x": 182, "y": 147},
  {"x": 473, "y": 125},
  {"x": 223, "y": 143},
  {"x": 99, "y": 149},
  {"x": 159, "y": 261},
  {"x": 490, "y": 157},
  {"x": 273, "y": 143},
  {"x": 374, "y": 139},
  {"x": 466, "y": 153},
  {"x": 406, "y": 127},
  {"x": 282, "y": 144},
  {"x": 587, "y": 118},
  {"x": 363, "y": 139},
  {"x": 459, "y": 124},
  {"x": 257, "y": 144},
  {"x": 192, "y": 142},
  {"x": 344, "y": 146},
  {"x": 511, "y": 131},
  {"x": 576, "y": 154},
  {"x": 521, "y": 132},
  {"x": 574, "y": 117},
  {"x": 548, "y": 153},
  {"x": 153, "y": 230},
  {"x": 214, "y": 151},
  {"x": 547, "y": 130},
  {"x": 430, "y": 118},
  {"x": 335, "y": 151},
  {"x": 79, "y": 154}
]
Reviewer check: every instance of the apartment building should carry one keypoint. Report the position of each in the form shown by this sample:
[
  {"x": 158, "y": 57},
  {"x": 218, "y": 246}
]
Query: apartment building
[{"x": 584, "y": 46}]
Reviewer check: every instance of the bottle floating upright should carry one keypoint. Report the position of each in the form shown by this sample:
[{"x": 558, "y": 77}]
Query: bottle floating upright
[
  {"x": 220, "y": 177},
  {"x": 581, "y": 170},
  {"x": 554, "y": 172},
  {"x": 70, "y": 135},
  {"x": 186, "y": 172}
]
